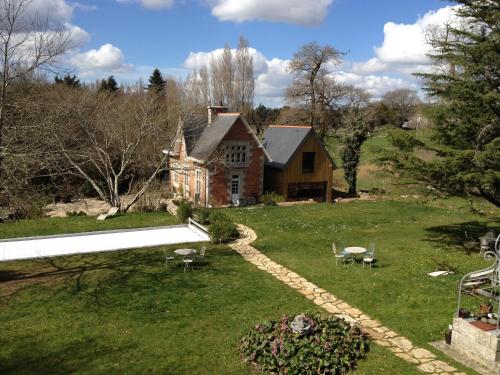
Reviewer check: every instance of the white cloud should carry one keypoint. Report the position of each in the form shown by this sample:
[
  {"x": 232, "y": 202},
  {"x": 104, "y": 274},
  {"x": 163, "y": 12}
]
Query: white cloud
[
  {"x": 405, "y": 48},
  {"x": 303, "y": 12},
  {"x": 150, "y": 4},
  {"x": 56, "y": 12},
  {"x": 107, "y": 58},
  {"x": 375, "y": 85}
]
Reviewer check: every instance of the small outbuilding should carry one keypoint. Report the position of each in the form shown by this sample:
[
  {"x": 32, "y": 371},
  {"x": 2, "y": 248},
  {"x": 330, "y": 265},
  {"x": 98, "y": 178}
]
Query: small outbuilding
[{"x": 300, "y": 168}]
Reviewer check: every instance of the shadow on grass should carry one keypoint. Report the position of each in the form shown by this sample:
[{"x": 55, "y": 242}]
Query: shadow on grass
[
  {"x": 94, "y": 274},
  {"x": 28, "y": 357},
  {"x": 455, "y": 236}
]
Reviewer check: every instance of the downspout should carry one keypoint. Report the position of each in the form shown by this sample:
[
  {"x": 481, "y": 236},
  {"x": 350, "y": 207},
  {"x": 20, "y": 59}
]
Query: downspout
[{"x": 207, "y": 187}]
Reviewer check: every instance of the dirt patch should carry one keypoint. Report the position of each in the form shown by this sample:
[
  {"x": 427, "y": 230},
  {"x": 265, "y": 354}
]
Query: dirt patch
[{"x": 89, "y": 206}]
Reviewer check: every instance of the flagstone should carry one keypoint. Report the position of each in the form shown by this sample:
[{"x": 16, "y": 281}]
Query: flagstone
[{"x": 383, "y": 336}]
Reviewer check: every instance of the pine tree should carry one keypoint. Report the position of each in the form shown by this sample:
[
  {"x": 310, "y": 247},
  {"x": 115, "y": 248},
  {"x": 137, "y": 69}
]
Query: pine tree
[
  {"x": 69, "y": 80},
  {"x": 156, "y": 83},
  {"x": 109, "y": 84},
  {"x": 466, "y": 89}
]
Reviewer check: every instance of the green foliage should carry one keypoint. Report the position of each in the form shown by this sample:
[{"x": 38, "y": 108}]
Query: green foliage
[
  {"x": 156, "y": 82},
  {"x": 203, "y": 216},
  {"x": 68, "y": 80},
  {"x": 184, "y": 211},
  {"x": 109, "y": 85},
  {"x": 351, "y": 154},
  {"x": 403, "y": 140},
  {"x": 466, "y": 118},
  {"x": 271, "y": 199},
  {"x": 330, "y": 346},
  {"x": 222, "y": 229}
]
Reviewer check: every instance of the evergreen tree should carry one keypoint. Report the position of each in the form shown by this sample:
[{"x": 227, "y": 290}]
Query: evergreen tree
[
  {"x": 466, "y": 114},
  {"x": 69, "y": 80},
  {"x": 156, "y": 83},
  {"x": 109, "y": 84}
]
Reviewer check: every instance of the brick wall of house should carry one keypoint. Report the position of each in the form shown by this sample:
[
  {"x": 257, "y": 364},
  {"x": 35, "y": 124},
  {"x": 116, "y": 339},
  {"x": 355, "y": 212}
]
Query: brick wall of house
[{"x": 251, "y": 175}]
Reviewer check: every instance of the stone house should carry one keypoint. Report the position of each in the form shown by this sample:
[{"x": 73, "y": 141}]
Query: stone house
[{"x": 217, "y": 159}]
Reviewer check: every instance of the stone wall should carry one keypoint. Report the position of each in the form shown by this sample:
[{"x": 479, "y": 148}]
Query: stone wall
[{"x": 476, "y": 344}]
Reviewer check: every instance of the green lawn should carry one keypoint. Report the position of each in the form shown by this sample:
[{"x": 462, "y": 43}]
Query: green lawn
[
  {"x": 408, "y": 236},
  {"x": 48, "y": 226},
  {"x": 124, "y": 313}
]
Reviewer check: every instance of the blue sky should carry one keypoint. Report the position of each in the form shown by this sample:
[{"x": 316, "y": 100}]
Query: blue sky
[{"x": 128, "y": 38}]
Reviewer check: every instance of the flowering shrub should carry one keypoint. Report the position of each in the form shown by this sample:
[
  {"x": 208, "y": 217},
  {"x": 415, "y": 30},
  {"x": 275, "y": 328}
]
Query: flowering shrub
[{"x": 329, "y": 345}]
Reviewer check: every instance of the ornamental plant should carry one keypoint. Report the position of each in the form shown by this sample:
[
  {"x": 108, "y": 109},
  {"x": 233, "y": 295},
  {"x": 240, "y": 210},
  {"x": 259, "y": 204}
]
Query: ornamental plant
[{"x": 323, "y": 345}]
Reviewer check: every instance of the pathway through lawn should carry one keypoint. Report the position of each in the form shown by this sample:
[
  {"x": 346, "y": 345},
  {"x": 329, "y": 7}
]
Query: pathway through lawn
[{"x": 383, "y": 336}]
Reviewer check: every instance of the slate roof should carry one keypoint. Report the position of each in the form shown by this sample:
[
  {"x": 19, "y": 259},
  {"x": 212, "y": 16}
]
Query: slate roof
[
  {"x": 281, "y": 142},
  {"x": 193, "y": 127},
  {"x": 203, "y": 143}
]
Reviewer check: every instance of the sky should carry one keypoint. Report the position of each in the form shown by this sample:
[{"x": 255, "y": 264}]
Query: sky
[{"x": 384, "y": 40}]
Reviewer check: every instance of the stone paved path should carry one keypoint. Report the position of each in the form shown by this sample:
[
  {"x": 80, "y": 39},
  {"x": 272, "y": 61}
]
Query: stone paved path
[{"x": 423, "y": 359}]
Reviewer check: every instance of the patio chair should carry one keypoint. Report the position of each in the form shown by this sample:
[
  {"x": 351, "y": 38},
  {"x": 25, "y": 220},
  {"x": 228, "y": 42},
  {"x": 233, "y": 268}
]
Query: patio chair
[
  {"x": 486, "y": 242},
  {"x": 343, "y": 256},
  {"x": 168, "y": 258},
  {"x": 188, "y": 263},
  {"x": 201, "y": 255},
  {"x": 369, "y": 256}
]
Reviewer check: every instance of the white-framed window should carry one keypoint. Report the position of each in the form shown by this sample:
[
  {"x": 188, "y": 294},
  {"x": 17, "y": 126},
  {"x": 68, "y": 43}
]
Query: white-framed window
[
  {"x": 186, "y": 180},
  {"x": 197, "y": 182},
  {"x": 237, "y": 154}
]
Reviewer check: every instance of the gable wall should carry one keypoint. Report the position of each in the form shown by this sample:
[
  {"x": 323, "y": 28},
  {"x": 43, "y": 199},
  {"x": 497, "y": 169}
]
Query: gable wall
[
  {"x": 323, "y": 169},
  {"x": 251, "y": 175}
]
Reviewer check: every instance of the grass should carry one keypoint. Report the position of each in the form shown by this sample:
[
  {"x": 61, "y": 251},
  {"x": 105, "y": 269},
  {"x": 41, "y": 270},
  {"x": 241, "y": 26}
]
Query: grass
[
  {"x": 408, "y": 236},
  {"x": 75, "y": 224},
  {"x": 123, "y": 312}
]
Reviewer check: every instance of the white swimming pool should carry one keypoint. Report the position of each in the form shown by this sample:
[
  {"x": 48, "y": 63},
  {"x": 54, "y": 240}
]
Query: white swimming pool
[{"x": 90, "y": 242}]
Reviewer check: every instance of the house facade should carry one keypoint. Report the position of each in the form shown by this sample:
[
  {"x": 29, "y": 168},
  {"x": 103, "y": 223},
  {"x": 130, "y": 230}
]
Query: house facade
[
  {"x": 299, "y": 168},
  {"x": 217, "y": 159}
]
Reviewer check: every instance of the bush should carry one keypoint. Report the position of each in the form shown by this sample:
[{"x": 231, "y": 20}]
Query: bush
[
  {"x": 222, "y": 231},
  {"x": 203, "y": 216},
  {"x": 271, "y": 199},
  {"x": 315, "y": 345},
  {"x": 218, "y": 216},
  {"x": 184, "y": 211}
]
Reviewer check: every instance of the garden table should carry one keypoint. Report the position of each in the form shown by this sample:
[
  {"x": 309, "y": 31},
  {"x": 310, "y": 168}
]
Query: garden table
[
  {"x": 355, "y": 251},
  {"x": 185, "y": 252}
]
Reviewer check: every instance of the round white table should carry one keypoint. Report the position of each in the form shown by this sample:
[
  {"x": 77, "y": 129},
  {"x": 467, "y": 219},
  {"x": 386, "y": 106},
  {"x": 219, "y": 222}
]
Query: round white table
[
  {"x": 185, "y": 252},
  {"x": 355, "y": 250}
]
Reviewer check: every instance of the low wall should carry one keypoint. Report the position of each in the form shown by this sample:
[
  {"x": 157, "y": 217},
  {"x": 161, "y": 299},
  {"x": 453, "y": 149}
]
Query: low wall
[{"x": 478, "y": 345}]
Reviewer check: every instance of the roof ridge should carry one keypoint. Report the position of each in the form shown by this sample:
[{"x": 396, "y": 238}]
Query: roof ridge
[{"x": 290, "y": 126}]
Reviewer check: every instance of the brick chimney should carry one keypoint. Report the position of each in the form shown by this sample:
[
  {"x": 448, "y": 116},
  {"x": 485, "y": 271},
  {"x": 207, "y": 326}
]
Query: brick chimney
[{"x": 213, "y": 111}]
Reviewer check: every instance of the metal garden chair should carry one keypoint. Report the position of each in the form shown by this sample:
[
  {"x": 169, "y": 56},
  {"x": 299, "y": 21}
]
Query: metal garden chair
[
  {"x": 342, "y": 255},
  {"x": 369, "y": 256}
]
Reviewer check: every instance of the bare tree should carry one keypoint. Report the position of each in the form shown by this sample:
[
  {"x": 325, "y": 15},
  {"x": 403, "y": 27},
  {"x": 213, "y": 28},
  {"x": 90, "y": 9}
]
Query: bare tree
[
  {"x": 245, "y": 81},
  {"x": 402, "y": 104},
  {"x": 227, "y": 80},
  {"x": 110, "y": 141},
  {"x": 328, "y": 93},
  {"x": 306, "y": 64},
  {"x": 27, "y": 44}
]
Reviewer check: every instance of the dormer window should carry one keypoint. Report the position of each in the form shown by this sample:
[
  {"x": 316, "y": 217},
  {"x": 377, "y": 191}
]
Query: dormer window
[{"x": 237, "y": 154}]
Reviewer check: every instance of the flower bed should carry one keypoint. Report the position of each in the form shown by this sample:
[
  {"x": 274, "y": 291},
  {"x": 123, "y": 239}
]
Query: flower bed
[{"x": 306, "y": 344}]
